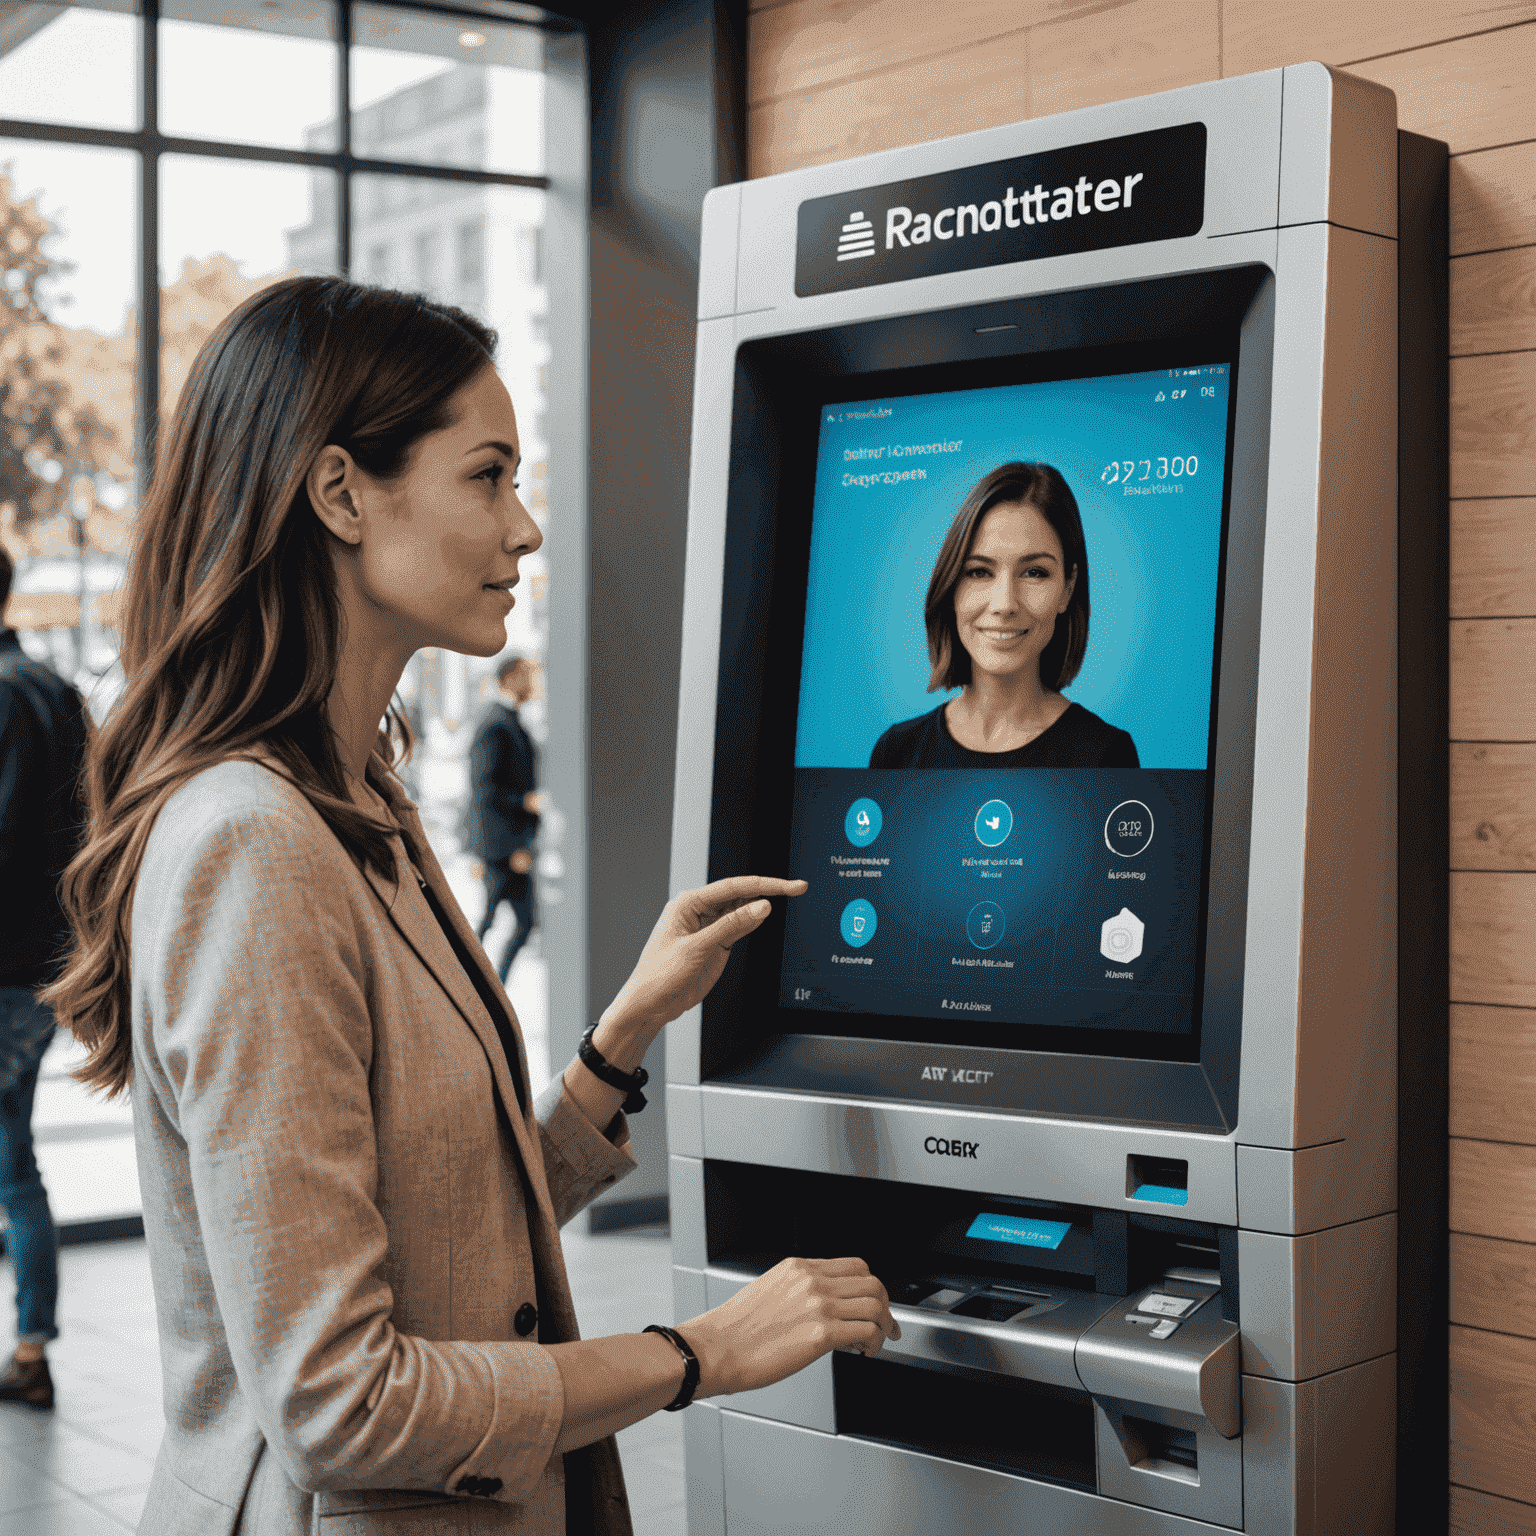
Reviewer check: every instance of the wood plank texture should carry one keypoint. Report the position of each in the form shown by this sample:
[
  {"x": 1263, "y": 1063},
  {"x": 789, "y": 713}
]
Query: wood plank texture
[
  {"x": 1493, "y": 302},
  {"x": 1493, "y": 1190},
  {"x": 1117, "y": 51},
  {"x": 1493, "y": 558},
  {"x": 975, "y": 87},
  {"x": 1493, "y": 199},
  {"x": 1493, "y": 1284},
  {"x": 1493, "y": 938},
  {"x": 1493, "y": 424},
  {"x": 1493, "y": 1080},
  {"x": 1493, "y": 1413},
  {"x": 811, "y": 44},
  {"x": 1493, "y": 680},
  {"x": 1474, "y": 1513},
  {"x": 1262, "y": 35},
  {"x": 1473, "y": 93},
  {"x": 1493, "y": 806}
]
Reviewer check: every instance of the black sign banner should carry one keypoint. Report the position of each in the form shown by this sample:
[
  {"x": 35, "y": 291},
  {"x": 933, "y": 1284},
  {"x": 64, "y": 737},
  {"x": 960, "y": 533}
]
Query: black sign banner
[{"x": 1087, "y": 197}]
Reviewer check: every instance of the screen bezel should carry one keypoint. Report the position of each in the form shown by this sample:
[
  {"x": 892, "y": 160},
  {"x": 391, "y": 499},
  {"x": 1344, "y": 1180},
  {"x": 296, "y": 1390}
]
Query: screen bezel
[{"x": 781, "y": 386}]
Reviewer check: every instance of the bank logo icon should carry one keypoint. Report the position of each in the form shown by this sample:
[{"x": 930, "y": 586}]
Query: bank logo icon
[
  {"x": 857, "y": 238},
  {"x": 994, "y": 821}
]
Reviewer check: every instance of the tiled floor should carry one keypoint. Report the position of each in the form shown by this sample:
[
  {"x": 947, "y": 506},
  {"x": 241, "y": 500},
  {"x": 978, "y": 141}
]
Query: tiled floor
[{"x": 83, "y": 1470}]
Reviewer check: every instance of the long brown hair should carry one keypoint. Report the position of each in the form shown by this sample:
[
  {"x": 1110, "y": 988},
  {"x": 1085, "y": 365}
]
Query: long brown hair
[
  {"x": 1041, "y": 487},
  {"x": 232, "y": 626}
]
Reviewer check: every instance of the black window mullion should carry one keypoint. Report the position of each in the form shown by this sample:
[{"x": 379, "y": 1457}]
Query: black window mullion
[
  {"x": 344, "y": 140},
  {"x": 149, "y": 247}
]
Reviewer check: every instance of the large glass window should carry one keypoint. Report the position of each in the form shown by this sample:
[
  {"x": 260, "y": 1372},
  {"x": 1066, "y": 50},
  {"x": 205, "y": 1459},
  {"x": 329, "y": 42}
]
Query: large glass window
[{"x": 161, "y": 162}]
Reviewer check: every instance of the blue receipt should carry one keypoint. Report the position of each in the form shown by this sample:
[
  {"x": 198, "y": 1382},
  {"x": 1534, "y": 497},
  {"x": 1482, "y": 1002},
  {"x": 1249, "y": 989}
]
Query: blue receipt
[{"x": 1027, "y": 1231}]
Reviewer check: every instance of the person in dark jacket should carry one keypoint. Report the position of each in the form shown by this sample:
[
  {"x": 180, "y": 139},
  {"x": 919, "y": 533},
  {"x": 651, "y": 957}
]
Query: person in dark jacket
[
  {"x": 42, "y": 751},
  {"x": 504, "y": 804},
  {"x": 1007, "y": 620}
]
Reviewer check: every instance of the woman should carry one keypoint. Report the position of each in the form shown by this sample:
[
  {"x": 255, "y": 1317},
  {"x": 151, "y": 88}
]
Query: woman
[
  {"x": 1007, "y": 618},
  {"x": 351, "y": 1206}
]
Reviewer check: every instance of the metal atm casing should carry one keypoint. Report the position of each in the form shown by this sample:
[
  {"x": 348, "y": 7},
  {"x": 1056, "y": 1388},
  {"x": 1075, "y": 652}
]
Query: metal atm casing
[{"x": 1299, "y": 1160}]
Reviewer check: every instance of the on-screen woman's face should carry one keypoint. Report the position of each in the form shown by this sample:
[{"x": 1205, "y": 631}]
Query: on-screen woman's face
[
  {"x": 1011, "y": 590},
  {"x": 440, "y": 564}
]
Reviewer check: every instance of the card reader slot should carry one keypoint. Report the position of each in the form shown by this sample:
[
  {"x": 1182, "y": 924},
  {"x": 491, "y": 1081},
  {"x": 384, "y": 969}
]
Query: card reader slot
[{"x": 1024, "y": 1427}]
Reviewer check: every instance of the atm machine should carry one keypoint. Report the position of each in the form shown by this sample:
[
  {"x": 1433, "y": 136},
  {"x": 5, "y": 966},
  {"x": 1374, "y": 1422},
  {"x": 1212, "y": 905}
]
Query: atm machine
[{"x": 1094, "y": 1046}]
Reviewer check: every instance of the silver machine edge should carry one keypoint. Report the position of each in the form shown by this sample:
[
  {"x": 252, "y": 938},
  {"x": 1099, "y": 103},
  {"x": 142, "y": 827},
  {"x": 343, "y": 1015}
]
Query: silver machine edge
[{"x": 1269, "y": 1403}]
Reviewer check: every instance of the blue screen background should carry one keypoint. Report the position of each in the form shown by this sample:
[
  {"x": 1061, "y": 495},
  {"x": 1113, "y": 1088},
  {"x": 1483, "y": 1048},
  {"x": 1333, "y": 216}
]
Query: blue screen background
[{"x": 1152, "y": 558}]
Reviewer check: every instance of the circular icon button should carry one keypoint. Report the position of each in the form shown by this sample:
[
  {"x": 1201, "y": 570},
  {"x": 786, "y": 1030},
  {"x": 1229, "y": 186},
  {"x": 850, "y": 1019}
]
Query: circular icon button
[
  {"x": 862, "y": 823},
  {"x": 994, "y": 821},
  {"x": 985, "y": 924},
  {"x": 1128, "y": 829},
  {"x": 859, "y": 923}
]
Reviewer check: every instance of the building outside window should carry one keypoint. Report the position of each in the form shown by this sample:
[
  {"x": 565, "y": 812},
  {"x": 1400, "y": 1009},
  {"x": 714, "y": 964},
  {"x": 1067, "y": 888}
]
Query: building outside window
[{"x": 127, "y": 235}]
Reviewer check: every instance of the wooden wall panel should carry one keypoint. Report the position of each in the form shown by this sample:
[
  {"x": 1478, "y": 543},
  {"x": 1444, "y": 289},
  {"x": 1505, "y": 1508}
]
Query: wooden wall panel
[
  {"x": 1493, "y": 1284},
  {"x": 1130, "y": 49},
  {"x": 1493, "y": 558},
  {"x": 1493, "y": 809},
  {"x": 1484, "y": 1514},
  {"x": 974, "y": 87},
  {"x": 1493, "y": 1190},
  {"x": 811, "y": 44},
  {"x": 1493, "y": 938},
  {"x": 1493, "y": 1413},
  {"x": 1493, "y": 1080},
  {"x": 1473, "y": 93},
  {"x": 1493, "y": 424},
  {"x": 1493, "y": 302},
  {"x": 1493, "y": 680},
  {"x": 1493, "y": 199},
  {"x": 1262, "y": 35}
]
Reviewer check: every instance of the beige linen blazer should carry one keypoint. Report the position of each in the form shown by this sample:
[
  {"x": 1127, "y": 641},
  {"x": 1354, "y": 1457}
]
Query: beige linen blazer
[{"x": 344, "y": 1207}]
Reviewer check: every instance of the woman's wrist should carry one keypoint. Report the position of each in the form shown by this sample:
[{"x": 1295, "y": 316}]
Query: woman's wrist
[{"x": 623, "y": 1037}]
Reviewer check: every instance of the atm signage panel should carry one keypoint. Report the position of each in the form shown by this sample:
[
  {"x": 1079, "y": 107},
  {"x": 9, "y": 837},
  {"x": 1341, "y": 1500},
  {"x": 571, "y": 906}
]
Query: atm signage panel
[{"x": 1087, "y": 197}]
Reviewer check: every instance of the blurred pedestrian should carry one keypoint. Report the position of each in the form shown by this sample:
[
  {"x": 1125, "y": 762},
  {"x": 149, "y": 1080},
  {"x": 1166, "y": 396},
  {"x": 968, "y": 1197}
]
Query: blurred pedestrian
[
  {"x": 504, "y": 804},
  {"x": 42, "y": 753}
]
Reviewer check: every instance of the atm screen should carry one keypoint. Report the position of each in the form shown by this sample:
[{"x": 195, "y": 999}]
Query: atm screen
[{"x": 1005, "y": 721}]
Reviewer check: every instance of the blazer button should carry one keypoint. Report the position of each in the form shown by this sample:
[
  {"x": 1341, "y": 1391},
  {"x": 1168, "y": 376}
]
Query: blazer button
[{"x": 527, "y": 1319}]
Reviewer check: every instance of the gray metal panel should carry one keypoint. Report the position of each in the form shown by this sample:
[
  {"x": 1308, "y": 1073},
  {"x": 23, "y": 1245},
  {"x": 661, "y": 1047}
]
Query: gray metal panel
[
  {"x": 1319, "y": 1046},
  {"x": 1338, "y": 151},
  {"x": 690, "y": 1295},
  {"x": 1319, "y": 1456},
  {"x": 1242, "y": 167},
  {"x": 705, "y": 1471},
  {"x": 1130, "y": 1469},
  {"x": 785, "y": 1481},
  {"x": 1314, "y": 1187},
  {"x": 1193, "y": 1372},
  {"x": 685, "y": 1121},
  {"x": 804, "y": 1398},
  {"x": 1318, "y": 1303},
  {"x": 686, "y": 1189},
  {"x": 1064, "y": 1160},
  {"x": 717, "y": 252}
]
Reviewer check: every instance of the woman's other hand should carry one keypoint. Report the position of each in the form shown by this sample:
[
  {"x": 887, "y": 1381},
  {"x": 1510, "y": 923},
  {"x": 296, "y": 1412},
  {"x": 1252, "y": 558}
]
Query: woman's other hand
[
  {"x": 691, "y": 942},
  {"x": 785, "y": 1319}
]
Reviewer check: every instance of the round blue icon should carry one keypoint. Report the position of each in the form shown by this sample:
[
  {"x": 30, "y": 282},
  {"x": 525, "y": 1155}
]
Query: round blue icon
[
  {"x": 859, "y": 923},
  {"x": 862, "y": 823},
  {"x": 985, "y": 924},
  {"x": 994, "y": 821}
]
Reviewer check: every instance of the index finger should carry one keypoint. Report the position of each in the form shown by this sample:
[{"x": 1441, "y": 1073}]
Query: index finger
[{"x": 738, "y": 889}]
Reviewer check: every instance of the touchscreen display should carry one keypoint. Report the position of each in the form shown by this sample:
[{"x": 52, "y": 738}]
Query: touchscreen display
[{"x": 1005, "y": 717}]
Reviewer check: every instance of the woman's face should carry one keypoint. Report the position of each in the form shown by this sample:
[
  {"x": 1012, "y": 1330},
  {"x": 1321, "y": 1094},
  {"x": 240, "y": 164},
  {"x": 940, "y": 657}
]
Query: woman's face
[
  {"x": 1011, "y": 589},
  {"x": 439, "y": 560}
]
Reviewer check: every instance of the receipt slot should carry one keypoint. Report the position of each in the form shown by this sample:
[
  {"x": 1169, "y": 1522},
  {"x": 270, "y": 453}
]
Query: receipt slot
[{"x": 1044, "y": 561}]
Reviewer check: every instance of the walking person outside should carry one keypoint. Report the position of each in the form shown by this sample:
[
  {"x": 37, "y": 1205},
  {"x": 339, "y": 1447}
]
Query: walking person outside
[
  {"x": 504, "y": 805},
  {"x": 42, "y": 751}
]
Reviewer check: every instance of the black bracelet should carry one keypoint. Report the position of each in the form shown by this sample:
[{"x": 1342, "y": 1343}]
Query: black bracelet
[
  {"x": 599, "y": 1066},
  {"x": 690, "y": 1365}
]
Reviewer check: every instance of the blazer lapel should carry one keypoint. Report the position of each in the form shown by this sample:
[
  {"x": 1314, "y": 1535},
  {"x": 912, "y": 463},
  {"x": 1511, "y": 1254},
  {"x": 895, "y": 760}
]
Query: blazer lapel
[{"x": 409, "y": 912}]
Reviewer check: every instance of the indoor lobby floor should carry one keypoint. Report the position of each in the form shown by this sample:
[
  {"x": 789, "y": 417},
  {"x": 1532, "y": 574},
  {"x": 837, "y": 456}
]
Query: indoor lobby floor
[{"x": 83, "y": 1470}]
